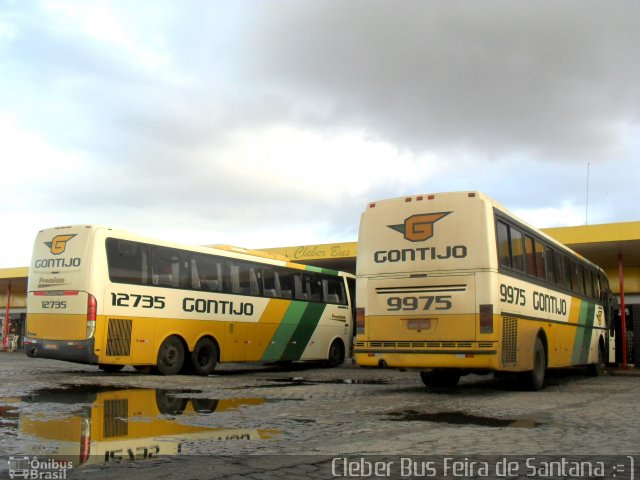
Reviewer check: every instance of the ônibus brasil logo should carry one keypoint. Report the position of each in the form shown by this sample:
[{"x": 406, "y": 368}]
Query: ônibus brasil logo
[
  {"x": 58, "y": 244},
  {"x": 418, "y": 228}
]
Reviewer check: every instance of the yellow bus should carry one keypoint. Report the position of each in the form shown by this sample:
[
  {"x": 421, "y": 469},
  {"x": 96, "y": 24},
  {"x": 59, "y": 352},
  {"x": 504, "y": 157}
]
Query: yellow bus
[
  {"x": 111, "y": 298},
  {"x": 114, "y": 424},
  {"x": 453, "y": 283}
]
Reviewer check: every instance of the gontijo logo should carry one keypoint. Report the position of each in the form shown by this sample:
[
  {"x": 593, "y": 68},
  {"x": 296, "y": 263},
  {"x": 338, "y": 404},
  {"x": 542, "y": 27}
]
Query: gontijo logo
[
  {"x": 418, "y": 228},
  {"x": 58, "y": 244}
]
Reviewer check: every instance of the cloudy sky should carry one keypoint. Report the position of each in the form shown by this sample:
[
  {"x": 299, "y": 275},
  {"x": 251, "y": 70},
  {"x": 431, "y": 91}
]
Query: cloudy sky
[{"x": 272, "y": 123}]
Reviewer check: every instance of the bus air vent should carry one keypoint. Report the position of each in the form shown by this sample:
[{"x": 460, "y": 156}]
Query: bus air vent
[
  {"x": 119, "y": 338},
  {"x": 116, "y": 413},
  {"x": 509, "y": 341}
]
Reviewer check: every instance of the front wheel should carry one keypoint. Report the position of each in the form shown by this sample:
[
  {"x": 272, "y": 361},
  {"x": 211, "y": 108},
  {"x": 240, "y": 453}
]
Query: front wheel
[
  {"x": 598, "y": 368},
  {"x": 170, "y": 356},
  {"x": 336, "y": 354},
  {"x": 204, "y": 357}
]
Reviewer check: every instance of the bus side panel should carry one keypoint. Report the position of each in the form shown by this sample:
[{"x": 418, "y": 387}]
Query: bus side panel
[
  {"x": 262, "y": 335},
  {"x": 335, "y": 322}
]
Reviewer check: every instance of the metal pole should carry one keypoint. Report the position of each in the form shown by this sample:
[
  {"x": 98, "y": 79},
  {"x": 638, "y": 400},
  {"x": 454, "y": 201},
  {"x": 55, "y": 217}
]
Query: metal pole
[
  {"x": 5, "y": 329},
  {"x": 623, "y": 315}
]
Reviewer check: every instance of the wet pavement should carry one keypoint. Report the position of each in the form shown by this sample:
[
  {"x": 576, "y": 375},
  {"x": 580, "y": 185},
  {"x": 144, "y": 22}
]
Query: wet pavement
[{"x": 255, "y": 421}]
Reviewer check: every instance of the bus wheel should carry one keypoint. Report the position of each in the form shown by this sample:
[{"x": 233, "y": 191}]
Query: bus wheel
[
  {"x": 168, "y": 403},
  {"x": 204, "y": 356},
  {"x": 170, "y": 356},
  {"x": 534, "y": 379},
  {"x": 336, "y": 354},
  {"x": 110, "y": 368},
  {"x": 440, "y": 378},
  {"x": 597, "y": 369}
]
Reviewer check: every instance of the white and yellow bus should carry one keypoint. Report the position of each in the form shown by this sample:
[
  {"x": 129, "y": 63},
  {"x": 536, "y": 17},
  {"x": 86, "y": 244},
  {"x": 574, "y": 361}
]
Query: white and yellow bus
[
  {"x": 453, "y": 283},
  {"x": 107, "y": 297},
  {"x": 119, "y": 424}
]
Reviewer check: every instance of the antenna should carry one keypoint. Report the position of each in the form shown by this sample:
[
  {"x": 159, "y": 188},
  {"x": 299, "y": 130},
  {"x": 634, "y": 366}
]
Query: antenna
[{"x": 586, "y": 212}]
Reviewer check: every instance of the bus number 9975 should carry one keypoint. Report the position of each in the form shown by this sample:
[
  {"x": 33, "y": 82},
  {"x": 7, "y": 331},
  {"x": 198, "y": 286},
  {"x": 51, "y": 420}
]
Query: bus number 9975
[{"x": 423, "y": 302}]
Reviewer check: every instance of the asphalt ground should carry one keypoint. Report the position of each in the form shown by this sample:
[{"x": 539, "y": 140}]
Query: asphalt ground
[{"x": 306, "y": 421}]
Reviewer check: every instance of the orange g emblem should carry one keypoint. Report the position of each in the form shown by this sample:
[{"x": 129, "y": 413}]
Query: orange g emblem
[
  {"x": 418, "y": 228},
  {"x": 58, "y": 244}
]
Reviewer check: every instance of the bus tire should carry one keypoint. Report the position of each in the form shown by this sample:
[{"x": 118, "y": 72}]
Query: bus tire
[
  {"x": 598, "y": 368},
  {"x": 336, "y": 354},
  {"x": 110, "y": 368},
  {"x": 170, "y": 356},
  {"x": 534, "y": 379},
  {"x": 204, "y": 356},
  {"x": 440, "y": 378},
  {"x": 168, "y": 403}
]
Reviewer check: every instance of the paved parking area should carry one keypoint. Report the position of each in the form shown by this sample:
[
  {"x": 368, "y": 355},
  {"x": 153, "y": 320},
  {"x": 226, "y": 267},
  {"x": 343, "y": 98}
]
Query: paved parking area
[{"x": 254, "y": 421}]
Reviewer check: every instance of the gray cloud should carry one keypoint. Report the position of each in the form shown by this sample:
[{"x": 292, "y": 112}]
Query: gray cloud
[
  {"x": 550, "y": 78},
  {"x": 512, "y": 98}
]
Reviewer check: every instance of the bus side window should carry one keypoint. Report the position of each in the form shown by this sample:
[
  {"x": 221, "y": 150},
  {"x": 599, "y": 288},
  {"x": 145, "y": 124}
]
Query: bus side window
[
  {"x": 596, "y": 283},
  {"x": 576, "y": 278},
  {"x": 530, "y": 255},
  {"x": 504, "y": 257},
  {"x": 569, "y": 282},
  {"x": 208, "y": 271},
  {"x": 286, "y": 284},
  {"x": 165, "y": 267},
  {"x": 311, "y": 287},
  {"x": 540, "y": 265},
  {"x": 588, "y": 283},
  {"x": 270, "y": 283},
  {"x": 517, "y": 249},
  {"x": 333, "y": 290},
  {"x": 127, "y": 261},
  {"x": 549, "y": 259}
]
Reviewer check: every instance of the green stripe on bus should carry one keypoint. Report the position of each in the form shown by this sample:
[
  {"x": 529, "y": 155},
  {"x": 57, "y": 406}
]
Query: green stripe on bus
[
  {"x": 584, "y": 331},
  {"x": 284, "y": 332},
  {"x": 303, "y": 332},
  {"x": 328, "y": 271}
]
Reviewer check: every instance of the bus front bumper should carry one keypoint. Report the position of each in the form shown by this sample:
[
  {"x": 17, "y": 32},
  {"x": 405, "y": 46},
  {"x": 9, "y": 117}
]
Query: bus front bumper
[{"x": 79, "y": 351}]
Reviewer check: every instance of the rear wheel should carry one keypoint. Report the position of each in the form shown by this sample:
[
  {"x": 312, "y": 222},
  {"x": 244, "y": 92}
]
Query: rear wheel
[
  {"x": 440, "y": 378},
  {"x": 170, "y": 356},
  {"x": 534, "y": 379},
  {"x": 204, "y": 357},
  {"x": 336, "y": 354}
]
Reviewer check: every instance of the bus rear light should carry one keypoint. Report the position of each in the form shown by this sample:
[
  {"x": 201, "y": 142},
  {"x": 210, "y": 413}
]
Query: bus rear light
[
  {"x": 486, "y": 318},
  {"x": 85, "y": 441},
  {"x": 408, "y": 199},
  {"x": 92, "y": 309},
  {"x": 419, "y": 198},
  {"x": 359, "y": 321},
  {"x": 372, "y": 205},
  {"x": 430, "y": 197}
]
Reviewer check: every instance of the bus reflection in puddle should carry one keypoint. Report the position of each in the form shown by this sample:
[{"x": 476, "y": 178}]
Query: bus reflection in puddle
[{"x": 109, "y": 424}]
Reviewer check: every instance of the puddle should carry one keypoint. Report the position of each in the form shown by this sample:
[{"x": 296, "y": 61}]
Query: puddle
[
  {"x": 98, "y": 424},
  {"x": 298, "y": 381},
  {"x": 461, "y": 418}
]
